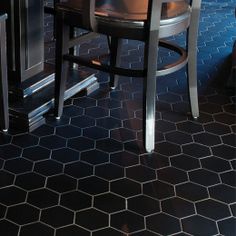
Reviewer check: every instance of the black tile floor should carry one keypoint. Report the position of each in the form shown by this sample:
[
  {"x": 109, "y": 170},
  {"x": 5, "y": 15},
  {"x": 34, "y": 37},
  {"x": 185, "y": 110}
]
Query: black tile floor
[{"x": 88, "y": 175}]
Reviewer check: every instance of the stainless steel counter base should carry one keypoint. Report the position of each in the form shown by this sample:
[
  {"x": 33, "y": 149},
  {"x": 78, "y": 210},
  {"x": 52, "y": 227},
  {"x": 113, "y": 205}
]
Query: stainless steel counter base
[{"x": 29, "y": 113}]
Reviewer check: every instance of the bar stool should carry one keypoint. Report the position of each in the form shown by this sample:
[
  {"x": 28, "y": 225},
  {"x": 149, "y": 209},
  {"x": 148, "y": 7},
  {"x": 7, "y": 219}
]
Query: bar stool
[
  {"x": 4, "y": 115},
  {"x": 149, "y": 21}
]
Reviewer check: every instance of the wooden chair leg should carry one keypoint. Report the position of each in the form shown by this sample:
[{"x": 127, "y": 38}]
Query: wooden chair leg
[
  {"x": 149, "y": 93},
  {"x": 4, "y": 117},
  {"x": 115, "y": 54},
  {"x": 62, "y": 36}
]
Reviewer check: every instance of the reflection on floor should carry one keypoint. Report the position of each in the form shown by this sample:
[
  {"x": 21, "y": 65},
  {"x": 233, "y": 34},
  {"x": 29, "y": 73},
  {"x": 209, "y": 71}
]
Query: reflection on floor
[{"x": 88, "y": 175}]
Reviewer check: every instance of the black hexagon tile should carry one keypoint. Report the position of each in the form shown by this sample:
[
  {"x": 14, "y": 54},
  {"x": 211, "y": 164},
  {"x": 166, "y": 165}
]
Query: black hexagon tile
[
  {"x": 93, "y": 185},
  {"x": 72, "y": 230},
  {"x": 125, "y": 187},
  {"x": 57, "y": 216},
  {"x": 76, "y": 200},
  {"x": 91, "y": 219},
  {"x": 109, "y": 202},
  {"x": 22, "y": 214},
  {"x": 163, "y": 224},
  {"x": 143, "y": 205},
  {"x": 198, "y": 225},
  {"x": 127, "y": 221},
  {"x": 38, "y": 229},
  {"x": 43, "y": 198},
  {"x": 177, "y": 207}
]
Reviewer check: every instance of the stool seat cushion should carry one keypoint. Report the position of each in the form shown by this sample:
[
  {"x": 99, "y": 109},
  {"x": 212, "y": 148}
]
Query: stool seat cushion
[{"x": 130, "y": 14}]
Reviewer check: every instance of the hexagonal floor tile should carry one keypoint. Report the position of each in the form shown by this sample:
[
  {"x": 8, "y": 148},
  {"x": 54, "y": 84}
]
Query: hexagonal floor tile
[
  {"x": 43, "y": 198},
  {"x": 164, "y": 126},
  {"x": 83, "y": 121},
  {"x": 65, "y": 155},
  {"x": 18, "y": 165},
  {"x": 84, "y": 102},
  {"x": 6, "y": 178},
  {"x": 12, "y": 195},
  {"x": 223, "y": 193},
  {"x": 144, "y": 233},
  {"x": 93, "y": 185},
  {"x": 2, "y": 211},
  {"x": 215, "y": 164},
  {"x": 36, "y": 153},
  {"x": 72, "y": 230},
  {"x": 76, "y": 200},
  {"x": 109, "y": 202},
  {"x": 227, "y": 226},
  {"x": 158, "y": 189},
  {"x": 109, "y": 123},
  {"x": 179, "y": 137},
  {"x": 185, "y": 162},
  {"x": 30, "y": 181},
  {"x": 225, "y": 118},
  {"x": 178, "y": 207},
  {"x": 53, "y": 142},
  {"x": 143, "y": 205},
  {"x": 107, "y": 232},
  {"x": 224, "y": 151},
  {"x": 168, "y": 149},
  {"x": 91, "y": 219},
  {"x": 140, "y": 173},
  {"x": 172, "y": 175},
  {"x": 61, "y": 183},
  {"x": 57, "y": 216},
  {"x": 78, "y": 169},
  {"x": 25, "y": 140},
  {"x": 163, "y": 224},
  {"x": 38, "y": 228},
  {"x": 109, "y": 171},
  {"x": 196, "y": 150},
  {"x": 48, "y": 167},
  {"x": 217, "y": 128},
  {"x": 72, "y": 111},
  {"x": 81, "y": 143},
  {"x": 189, "y": 127},
  {"x": 68, "y": 131},
  {"x": 9, "y": 151},
  {"x": 207, "y": 139},
  {"x": 5, "y": 138},
  {"x": 229, "y": 178},
  {"x": 95, "y": 133},
  {"x": 198, "y": 225},
  {"x": 94, "y": 157},
  {"x": 109, "y": 145},
  {"x": 125, "y": 187},
  {"x": 204, "y": 177},
  {"x": 127, "y": 221},
  {"x": 212, "y": 209},
  {"x": 124, "y": 159},
  {"x": 22, "y": 214},
  {"x": 96, "y": 112},
  {"x": 123, "y": 134},
  {"x": 191, "y": 191},
  {"x": 229, "y": 139},
  {"x": 154, "y": 160},
  {"x": 8, "y": 228}
]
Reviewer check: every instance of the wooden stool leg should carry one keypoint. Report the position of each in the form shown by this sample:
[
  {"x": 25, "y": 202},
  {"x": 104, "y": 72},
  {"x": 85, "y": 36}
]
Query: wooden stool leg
[{"x": 4, "y": 115}]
